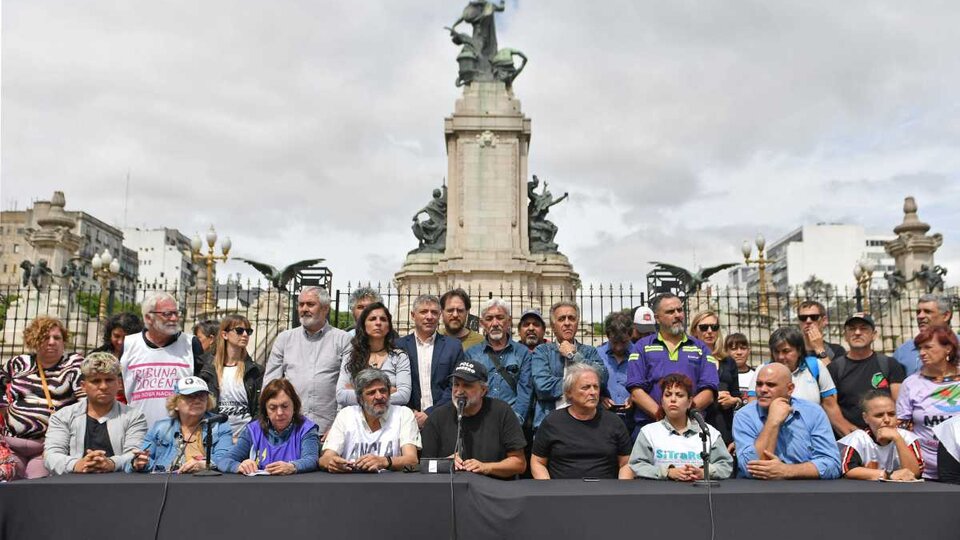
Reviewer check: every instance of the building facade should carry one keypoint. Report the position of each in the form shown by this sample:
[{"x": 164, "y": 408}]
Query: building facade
[{"x": 828, "y": 251}]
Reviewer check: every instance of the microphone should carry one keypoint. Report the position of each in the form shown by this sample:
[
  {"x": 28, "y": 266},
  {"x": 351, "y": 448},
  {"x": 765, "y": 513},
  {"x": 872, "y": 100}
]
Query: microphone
[
  {"x": 461, "y": 404},
  {"x": 215, "y": 419},
  {"x": 695, "y": 415}
]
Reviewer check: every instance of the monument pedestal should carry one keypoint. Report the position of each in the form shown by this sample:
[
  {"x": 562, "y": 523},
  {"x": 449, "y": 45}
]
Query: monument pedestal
[{"x": 487, "y": 247}]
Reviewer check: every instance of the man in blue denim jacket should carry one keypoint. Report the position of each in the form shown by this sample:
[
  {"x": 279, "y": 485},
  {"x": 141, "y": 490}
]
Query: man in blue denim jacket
[
  {"x": 550, "y": 359},
  {"x": 507, "y": 361}
]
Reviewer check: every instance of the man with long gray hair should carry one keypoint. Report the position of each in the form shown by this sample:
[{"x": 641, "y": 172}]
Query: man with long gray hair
[
  {"x": 373, "y": 435},
  {"x": 97, "y": 433},
  {"x": 309, "y": 357},
  {"x": 159, "y": 356}
]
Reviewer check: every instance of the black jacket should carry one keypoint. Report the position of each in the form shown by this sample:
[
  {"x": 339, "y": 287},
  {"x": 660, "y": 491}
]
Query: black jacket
[{"x": 252, "y": 381}]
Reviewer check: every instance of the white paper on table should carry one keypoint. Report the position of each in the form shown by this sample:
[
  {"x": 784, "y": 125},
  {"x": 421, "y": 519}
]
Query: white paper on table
[{"x": 257, "y": 473}]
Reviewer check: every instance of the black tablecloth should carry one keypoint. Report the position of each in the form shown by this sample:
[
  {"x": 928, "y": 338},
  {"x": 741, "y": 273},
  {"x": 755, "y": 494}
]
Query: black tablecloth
[{"x": 394, "y": 505}]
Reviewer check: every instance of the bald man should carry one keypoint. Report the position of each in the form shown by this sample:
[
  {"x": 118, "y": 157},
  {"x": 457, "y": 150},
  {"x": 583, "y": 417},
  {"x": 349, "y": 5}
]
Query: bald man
[{"x": 780, "y": 437}]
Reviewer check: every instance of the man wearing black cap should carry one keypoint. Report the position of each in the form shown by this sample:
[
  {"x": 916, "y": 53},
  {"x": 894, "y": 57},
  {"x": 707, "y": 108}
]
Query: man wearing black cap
[
  {"x": 493, "y": 441},
  {"x": 531, "y": 329},
  {"x": 860, "y": 370}
]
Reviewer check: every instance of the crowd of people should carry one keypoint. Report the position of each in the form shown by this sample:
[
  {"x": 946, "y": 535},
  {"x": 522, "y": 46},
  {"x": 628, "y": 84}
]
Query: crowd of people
[{"x": 660, "y": 399}]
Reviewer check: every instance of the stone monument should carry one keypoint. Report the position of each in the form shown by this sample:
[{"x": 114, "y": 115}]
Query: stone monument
[
  {"x": 55, "y": 245},
  {"x": 486, "y": 229},
  {"x": 913, "y": 251}
]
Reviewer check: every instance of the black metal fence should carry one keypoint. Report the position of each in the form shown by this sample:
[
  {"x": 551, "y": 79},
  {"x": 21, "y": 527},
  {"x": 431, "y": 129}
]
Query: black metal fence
[{"x": 271, "y": 311}]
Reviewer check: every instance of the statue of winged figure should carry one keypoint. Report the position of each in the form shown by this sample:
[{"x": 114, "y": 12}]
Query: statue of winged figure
[
  {"x": 280, "y": 278},
  {"x": 693, "y": 281}
]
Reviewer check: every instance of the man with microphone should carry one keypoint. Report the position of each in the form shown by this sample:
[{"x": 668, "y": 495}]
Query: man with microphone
[
  {"x": 780, "y": 437},
  {"x": 491, "y": 440}
]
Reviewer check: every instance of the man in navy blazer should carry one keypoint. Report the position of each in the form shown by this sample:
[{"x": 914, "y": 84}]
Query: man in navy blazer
[{"x": 432, "y": 358}]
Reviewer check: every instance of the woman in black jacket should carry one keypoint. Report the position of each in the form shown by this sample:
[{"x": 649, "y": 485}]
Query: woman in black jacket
[{"x": 233, "y": 377}]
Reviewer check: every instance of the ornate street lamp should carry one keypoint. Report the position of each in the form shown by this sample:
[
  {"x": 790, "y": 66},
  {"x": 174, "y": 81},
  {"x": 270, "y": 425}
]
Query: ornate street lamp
[
  {"x": 761, "y": 262},
  {"x": 863, "y": 272},
  {"x": 210, "y": 259},
  {"x": 105, "y": 268}
]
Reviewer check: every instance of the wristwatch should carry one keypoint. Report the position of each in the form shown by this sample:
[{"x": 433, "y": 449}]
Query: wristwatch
[{"x": 822, "y": 354}]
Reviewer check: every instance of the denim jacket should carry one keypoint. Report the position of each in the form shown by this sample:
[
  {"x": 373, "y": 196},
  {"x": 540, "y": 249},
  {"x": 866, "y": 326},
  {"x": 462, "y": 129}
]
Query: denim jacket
[
  {"x": 161, "y": 441},
  {"x": 547, "y": 371},
  {"x": 515, "y": 360}
]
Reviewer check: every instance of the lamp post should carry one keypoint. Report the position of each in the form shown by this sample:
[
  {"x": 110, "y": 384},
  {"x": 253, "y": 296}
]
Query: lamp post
[
  {"x": 863, "y": 272},
  {"x": 105, "y": 268},
  {"x": 210, "y": 259},
  {"x": 761, "y": 262}
]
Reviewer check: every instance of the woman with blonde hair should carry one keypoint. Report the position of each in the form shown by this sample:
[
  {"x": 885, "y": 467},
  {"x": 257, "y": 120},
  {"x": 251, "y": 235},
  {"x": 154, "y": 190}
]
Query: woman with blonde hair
[
  {"x": 32, "y": 387},
  {"x": 233, "y": 377},
  {"x": 177, "y": 443},
  {"x": 705, "y": 326}
]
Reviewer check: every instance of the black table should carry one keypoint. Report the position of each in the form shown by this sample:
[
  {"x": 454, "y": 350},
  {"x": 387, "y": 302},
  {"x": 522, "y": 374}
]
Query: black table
[{"x": 395, "y": 505}]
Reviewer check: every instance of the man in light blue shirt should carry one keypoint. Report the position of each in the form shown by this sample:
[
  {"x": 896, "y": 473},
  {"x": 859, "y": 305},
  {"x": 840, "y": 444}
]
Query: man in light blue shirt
[
  {"x": 614, "y": 353},
  {"x": 507, "y": 361},
  {"x": 779, "y": 437},
  {"x": 932, "y": 310}
]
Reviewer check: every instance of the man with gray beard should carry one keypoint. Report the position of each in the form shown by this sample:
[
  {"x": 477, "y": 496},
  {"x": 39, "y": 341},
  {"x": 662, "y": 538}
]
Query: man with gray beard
[
  {"x": 309, "y": 357},
  {"x": 507, "y": 362},
  {"x": 374, "y": 435},
  {"x": 159, "y": 356},
  {"x": 668, "y": 351}
]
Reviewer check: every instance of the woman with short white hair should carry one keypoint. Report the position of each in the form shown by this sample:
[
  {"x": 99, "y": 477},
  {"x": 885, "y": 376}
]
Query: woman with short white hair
[{"x": 581, "y": 440}]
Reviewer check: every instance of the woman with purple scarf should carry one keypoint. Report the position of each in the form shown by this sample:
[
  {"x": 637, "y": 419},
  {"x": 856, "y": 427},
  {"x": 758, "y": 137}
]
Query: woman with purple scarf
[{"x": 280, "y": 441}]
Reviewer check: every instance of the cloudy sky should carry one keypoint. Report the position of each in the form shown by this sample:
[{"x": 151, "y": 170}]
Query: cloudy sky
[{"x": 315, "y": 128}]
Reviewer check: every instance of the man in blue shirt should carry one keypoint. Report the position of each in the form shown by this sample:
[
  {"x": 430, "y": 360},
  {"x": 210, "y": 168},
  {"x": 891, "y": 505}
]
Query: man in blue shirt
[
  {"x": 551, "y": 359},
  {"x": 669, "y": 351},
  {"x": 779, "y": 437},
  {"x": 932, "y": 310},
  {"x": 507, "y": 361},
  {"x": 614, "y": 353}
]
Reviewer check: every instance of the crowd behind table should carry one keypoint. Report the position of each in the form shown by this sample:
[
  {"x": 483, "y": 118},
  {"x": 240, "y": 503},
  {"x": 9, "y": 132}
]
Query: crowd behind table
[{"x": 154, "y": 398}]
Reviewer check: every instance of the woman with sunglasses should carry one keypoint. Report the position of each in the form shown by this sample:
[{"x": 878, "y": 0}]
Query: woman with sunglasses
[
  {"x": 232, "y": 376},
  {"x": 373, "y": 347},
  {"x": 705, "y": 326}
]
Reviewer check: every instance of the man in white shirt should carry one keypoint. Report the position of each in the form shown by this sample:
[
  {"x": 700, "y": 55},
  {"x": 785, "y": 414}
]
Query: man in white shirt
[
  {"x": 373, "y": 435},
  {"x": 432, "y": 358}
]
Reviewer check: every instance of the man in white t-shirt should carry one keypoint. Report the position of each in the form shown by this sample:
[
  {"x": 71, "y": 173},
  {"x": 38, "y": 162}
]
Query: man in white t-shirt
[
  {"x": 159, "y": 356},
  {"x": 373, "y": 435}
]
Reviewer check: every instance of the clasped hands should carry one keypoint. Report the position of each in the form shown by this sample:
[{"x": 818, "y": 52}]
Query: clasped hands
[{"x": 94, "y": 461}]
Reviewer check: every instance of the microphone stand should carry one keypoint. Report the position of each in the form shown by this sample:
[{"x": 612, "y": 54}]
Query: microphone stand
[
  {"x": 705, "y": 455},
  {"x": 208, "y": 444},
  {"x": 458, "y": 446}
]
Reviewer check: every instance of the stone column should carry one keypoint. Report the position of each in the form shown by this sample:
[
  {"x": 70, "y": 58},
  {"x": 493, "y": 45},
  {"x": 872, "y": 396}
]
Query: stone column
[{"x": 913, "y": 248}]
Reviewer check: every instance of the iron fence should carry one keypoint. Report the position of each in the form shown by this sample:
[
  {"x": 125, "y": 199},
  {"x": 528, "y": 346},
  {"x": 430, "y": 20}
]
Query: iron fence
[{"x": 271, "y": 311}]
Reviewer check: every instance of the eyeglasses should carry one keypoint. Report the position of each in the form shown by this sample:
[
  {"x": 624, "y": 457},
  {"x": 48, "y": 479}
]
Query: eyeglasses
[
  {"x": 166, "y": 314},
  {"x": 705, "y": 327},
  {"x": 813, "y": 317},
  {"x": 240, "y": 331}
]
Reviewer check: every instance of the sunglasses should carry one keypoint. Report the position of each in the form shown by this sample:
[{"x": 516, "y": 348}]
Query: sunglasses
[
  {"x": 240, "y": 331},
  {"x": 166, "y": 314},
  {"x": 705, "y": 327},
  {"x": 804, "y": 318}
]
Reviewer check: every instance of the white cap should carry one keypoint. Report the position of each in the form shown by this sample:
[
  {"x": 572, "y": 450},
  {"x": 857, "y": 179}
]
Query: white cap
[
  {"x": 644, "y": 319},
  {"x": 190, "y": 385}
]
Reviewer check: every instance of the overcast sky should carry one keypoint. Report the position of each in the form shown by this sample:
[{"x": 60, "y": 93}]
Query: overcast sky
[{"x": 315, "y": 128}]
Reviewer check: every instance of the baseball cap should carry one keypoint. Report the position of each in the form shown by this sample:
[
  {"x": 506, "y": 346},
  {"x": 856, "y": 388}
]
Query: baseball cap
[
  {"x": 469, "y": 371},
  {"x": 862, "y": 317},
  {"x": 190, "y": 385},
  {"x": 531, "y": 313},
  {"x": 644, "y": 319}
]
